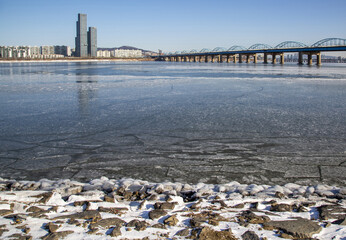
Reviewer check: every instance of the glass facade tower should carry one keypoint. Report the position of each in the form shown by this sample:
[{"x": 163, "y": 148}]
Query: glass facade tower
[
  {"x": 92, "y": 42},
  {"x": 81, "y": 39}
]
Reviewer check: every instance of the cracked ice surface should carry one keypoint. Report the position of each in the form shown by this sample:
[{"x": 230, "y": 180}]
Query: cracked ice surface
[{"x": 186, "y": 122}]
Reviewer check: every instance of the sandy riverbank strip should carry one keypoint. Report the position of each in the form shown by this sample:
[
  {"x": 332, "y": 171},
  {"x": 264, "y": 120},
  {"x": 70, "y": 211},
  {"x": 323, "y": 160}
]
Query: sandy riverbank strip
[{"x": 134, "y": 209}]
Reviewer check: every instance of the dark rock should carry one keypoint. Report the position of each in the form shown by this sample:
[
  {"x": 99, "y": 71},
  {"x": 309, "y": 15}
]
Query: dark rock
[
  {"x": 280, "y": 195},
  {"x": 91, "y": 214},
  {"x": 34, "y": 209},
  {"x": 183, "y": 233},
  {"x": 109, "y": 199},
  {"x": 165, "y": 205},
  {"x": 52, "y": 227},
  {"x": 331, "y": 211},
  {"x": 57, "y": 235},
  {"x": 113, "y": 210},
  {"x": 250, "y": 217},
  {"x": 115, "y": 232},
  {"x": 138, "y": 225},
  {"x": 44, "y": 197},
  {"x": 282, "y": 207},
  {"x": 4, "y": 212},
  {"x": 18, "y": 236},
  {"x": 108, "y": 222},
  {"x": 159, "y": 225},
  {"x": 210, "y": 234},
  {"x": 298, "y": 228},
  {"x": 157, "y": 213},
  {"x": 171, "y": 221},
  {"x": 250, "y": 235}
]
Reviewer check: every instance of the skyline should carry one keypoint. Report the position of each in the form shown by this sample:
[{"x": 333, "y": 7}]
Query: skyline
[{"x": 173, "y": 26}]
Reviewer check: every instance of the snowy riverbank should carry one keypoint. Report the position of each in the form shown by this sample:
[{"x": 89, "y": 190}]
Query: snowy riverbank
[{"x": 134, "y": 209}]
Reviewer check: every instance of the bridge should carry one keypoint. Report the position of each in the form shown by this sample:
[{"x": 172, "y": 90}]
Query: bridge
[{"x": 240, "y": 54}]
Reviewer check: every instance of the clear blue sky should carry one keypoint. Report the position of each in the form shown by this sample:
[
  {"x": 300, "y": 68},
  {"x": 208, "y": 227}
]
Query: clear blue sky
[{"x": 172, "y": 25}]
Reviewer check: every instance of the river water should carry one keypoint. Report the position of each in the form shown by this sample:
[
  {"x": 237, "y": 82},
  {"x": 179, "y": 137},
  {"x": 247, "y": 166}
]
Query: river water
[{"x": 186, "y": 122}]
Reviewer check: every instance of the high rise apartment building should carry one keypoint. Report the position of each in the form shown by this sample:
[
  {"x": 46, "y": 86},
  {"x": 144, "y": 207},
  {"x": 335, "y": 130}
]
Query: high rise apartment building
[
  {"x": 92, "y": 42},
  {"x": 86, "y": 42},
  {"x": 81, "y": 38}
]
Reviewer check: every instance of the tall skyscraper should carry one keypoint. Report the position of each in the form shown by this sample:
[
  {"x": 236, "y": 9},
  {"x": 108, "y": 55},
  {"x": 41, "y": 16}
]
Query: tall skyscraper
[
  {"x": 81, "y": 39},
  {"x": 92, "y": 42}
]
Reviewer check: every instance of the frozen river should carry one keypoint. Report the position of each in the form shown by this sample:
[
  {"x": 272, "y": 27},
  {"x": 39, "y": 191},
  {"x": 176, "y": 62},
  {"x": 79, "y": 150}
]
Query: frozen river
[{"x": 186, "y": 122}]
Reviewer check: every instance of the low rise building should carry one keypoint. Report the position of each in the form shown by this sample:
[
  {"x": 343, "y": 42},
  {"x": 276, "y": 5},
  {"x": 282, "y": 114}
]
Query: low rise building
[
  {"x": 103, "y": 53},
  {"x": 127, "y": 53},
  {"x": 34, "y": 52}
]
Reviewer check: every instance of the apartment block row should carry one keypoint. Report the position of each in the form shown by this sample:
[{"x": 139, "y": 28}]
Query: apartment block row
[
  {"x": 41, "y": 52},
  {"x": 120, "y": 53}
]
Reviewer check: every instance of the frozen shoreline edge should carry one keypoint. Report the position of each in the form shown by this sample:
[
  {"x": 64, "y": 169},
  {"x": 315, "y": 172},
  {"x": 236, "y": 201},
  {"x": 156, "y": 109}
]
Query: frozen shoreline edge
[{"x": 105, "y": 184}]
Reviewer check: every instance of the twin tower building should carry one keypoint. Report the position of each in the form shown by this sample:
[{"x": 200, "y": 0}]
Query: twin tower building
[{"x": 86, "y": 41}]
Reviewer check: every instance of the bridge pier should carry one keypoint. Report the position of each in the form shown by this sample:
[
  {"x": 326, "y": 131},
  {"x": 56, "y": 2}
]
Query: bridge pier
[
  {"x": 234, "y": 58},
  {"x": 240, "y": 58},
  {"x": 255, "y": 58},
  {"x": 220, "y": 58},
  {"x": 282, "y": 58},
  {"x": 300, "y": 58},
  {"x": 309, "y": 59},
  {"x": 319, "y": 59},
  {"x": 273, "y": 58},
  {"x": 265, "y": 58},
  {"x": 247, "y": 58}
]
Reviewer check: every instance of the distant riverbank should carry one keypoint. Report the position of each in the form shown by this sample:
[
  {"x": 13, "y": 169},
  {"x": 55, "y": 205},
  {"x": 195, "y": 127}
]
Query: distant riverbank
[{"x": 78, "y": 60}]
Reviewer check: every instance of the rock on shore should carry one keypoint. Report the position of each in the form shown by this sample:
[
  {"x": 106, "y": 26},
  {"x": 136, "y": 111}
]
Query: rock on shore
[{"x": 134, "y": 209}]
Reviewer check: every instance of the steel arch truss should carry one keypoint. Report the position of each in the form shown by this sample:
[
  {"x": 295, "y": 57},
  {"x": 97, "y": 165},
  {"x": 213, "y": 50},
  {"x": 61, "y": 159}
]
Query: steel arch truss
[
  {"x": 193, "y": 51},
  {"x": 219, "y": 49},
  {"x": 236, "y": 47},
  {"x": 327, "y": 42},
  {"x": 259, "y": 46},
  {"x": 205, "y": 50},
  {"x": 291, "y": 44}
]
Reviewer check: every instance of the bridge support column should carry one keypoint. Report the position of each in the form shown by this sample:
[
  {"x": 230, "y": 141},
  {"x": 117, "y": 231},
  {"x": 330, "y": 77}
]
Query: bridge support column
[
  {"x": 235, "y": 58},
  {"x": 319, "y": 59},
  {"x": 240, "y": 58},
  {"x": 212, "y": 58},
  {"x": 206, "y": 58},
  {"x": 255, "y": 58},
  {"x": 309, "y": 59},
  {"x": 228, "y": 59},
  {"x": 247, "y": 58},
  {"x": 220, "y": 58},
  {"x": 194, "y": 58},
  {"x": 265, "y": 56},
  {"x": 300, "y": 58},
  {"x": 273, "y": 58},
  {"x": 282, "y": 58}
]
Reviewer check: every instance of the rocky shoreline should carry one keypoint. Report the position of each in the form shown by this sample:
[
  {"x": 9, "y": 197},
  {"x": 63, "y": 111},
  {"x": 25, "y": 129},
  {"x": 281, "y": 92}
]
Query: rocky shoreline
[{"x": 134, "y": 209}]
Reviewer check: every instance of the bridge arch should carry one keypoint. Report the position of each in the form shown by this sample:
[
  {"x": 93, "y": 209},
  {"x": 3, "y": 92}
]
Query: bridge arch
[
  {"x": 177, "y": 52},
  {"x": 330, "y": 42},
  {"x": 193, "y": 51},
  {"x": 205, "y": 50},
  {"x": 259, "y": 46},
  {"x": 236, "y": 47},
  {"x": 291, "y": 44},
  {"x": 219, "y": 49}
]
